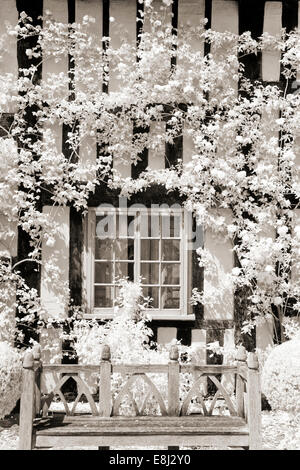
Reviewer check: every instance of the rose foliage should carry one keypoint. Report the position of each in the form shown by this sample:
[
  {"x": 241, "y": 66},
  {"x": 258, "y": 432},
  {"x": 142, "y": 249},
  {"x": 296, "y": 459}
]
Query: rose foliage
[{"x": 241, "y": 180}]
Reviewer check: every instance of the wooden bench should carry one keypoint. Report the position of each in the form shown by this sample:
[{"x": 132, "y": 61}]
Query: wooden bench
[{"x": 104, "y": 426}]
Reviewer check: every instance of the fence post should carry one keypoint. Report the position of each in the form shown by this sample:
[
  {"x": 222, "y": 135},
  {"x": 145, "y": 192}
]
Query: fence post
[
  {"x": 173, "y": 382},
  {"x": 240, "y": 387},
  {"x": 105, "y": 382},
  {"x": 36, "y": 350},
  {"x": 254, "y": 403},
  {"x": 27, "y": 407}
]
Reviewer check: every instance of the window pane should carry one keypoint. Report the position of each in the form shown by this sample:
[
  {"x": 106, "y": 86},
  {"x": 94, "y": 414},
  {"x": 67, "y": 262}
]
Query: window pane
[
  {"x": 170, "y": 273},
  {"x": 103, "y": 273},
  {"x": 152, "y": 292},
  {"x": 105, "y": 226},
  {"x": 170, "y": 297},
  {"x": 125, "y": 225},
  {"x": 131, "y": 225},
  {"x": 154, "y": 227},
  {"x": 145, "y": 225},
  {"x": 124, "y": 249},
  {"x": 150, "y": 273},
  {"x": 171, "y": 250},
  {"x": 104, "y": 296},
  {"x": 175, "y": 222},
  {"x": 149, "y": 225},
  {"x": 103, "y": 248},
  {"x": 124, "y": 270},
  {"x": 170, "y": 225},
  {"x": 150, "y": 250}
]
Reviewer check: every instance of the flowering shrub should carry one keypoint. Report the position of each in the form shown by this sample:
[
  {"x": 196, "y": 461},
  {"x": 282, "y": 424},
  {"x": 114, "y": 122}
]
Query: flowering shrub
[
  {"x": 291, "y": 327},
  {"x": 129, "y": 339},
  {"x": 130, "y": 343},
  {"x": 131, "y": 302},
  {"x": 10, "y": 378},
  {"x": 281, "y": 376}
]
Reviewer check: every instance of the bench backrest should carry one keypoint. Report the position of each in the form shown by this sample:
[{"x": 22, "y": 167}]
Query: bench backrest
[{"x": 138, "y": 377}]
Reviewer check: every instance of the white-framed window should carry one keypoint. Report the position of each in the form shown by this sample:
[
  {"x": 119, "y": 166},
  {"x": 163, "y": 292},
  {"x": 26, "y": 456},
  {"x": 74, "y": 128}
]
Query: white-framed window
[{"x": 138, "y": 243}]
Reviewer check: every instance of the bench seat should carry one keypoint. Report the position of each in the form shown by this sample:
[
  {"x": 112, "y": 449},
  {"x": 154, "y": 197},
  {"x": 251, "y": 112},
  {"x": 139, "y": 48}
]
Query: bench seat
[{"x": 90, "y": 430}]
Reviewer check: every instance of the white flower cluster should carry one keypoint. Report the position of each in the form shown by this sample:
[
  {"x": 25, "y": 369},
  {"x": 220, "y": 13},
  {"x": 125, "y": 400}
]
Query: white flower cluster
[{"x": 10, "y": 378}]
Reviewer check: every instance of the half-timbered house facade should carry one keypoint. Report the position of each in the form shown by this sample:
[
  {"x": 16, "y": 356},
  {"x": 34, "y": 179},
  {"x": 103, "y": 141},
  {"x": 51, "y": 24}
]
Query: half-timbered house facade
[{"x": 89, "y": 265}]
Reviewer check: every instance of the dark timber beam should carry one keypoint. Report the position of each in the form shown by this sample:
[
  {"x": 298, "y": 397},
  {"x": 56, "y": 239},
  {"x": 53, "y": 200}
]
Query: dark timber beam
[
  {"x": 29, "y": 271},
  {"x": 251, "y": 18},
  {"x": 207, "y": 14}
]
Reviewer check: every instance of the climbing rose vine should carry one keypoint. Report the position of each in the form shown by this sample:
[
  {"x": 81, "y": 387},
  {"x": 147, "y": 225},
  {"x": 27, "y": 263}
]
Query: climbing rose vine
[{"x": 241, "y": 180}]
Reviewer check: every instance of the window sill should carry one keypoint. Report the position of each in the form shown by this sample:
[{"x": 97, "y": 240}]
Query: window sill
[{"x": 154, "y": 316}]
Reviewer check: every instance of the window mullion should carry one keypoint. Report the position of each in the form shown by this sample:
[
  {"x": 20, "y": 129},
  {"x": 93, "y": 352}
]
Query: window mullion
[
  {"x": 184, "y": 253},
  {"x": 114, "y": 255},
  {"x": 137, "y": 247},
  {"x": 160, "y": 264},
  {"x": 92, "y": 241}
]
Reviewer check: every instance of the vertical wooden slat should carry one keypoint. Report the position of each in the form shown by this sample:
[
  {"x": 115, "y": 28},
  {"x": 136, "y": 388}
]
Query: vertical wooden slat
[
  {"x": 87, "y": 154},
  {"x": 54, "y": 296},
  {"x": 53, "y": 133},
  {"x": 240, "y": 387},
  {"x": 164, "y": 12},
  {"x": 92, "y": 8},
  {"x": 221, "y": 250},
  {"x": 165, "y": 335},
  {"x": 225, "y": 17},
  {"x": 52, "y": 138},
  {"x": 156, "y": 152},
  {"x": 190, "y": 14},
  {"x": 122, "y": 27},
  {"x": 269, "y": 129},
  {"x": 27, "y": 403},
  {"x": 198, "y": 344},
  {"x": 51, "y": 352},
  {"x": 59, "y": 10},
  {"x": 188, "y": 147},
  {"x": 105, "y": 382},
  {"x": 8, "y": 62},
  {"x": 122, "y": 162},
  {"x": 296, "y": 148},
  {"x": 36, "y": 350},
  {"x": 228, "y": 380},
  {"x": 271, "y": 58},
  {"x": 173, "y": 382},
  {"x": 254, "y": 403},
  {"x": 265, "y": 333},
  {"x": 9, "y": 238}
]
